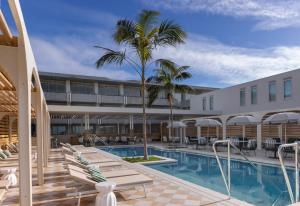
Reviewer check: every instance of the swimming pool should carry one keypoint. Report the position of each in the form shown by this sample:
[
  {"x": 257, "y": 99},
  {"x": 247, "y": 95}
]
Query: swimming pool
[{"x": 261, "y": 186}]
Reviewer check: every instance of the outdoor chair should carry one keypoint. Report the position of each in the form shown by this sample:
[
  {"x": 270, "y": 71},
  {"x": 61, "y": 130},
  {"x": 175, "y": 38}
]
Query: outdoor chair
[
  {"x": 165, "y": 139},
  {"x": 270, "y": 145},
  {"x": 251, "y": 146},
  {"x": 202, "y": 141},
  {"x": 132, "y": 140},
  {"x": 124, "y": 139}
]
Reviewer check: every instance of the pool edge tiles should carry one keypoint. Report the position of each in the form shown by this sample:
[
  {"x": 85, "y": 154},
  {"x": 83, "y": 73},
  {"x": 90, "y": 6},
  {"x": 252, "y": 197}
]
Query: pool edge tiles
[{"x": 214, "y": 197}]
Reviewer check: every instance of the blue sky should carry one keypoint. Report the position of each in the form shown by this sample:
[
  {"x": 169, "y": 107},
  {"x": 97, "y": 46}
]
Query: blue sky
[{"x": 229, "y": 41}]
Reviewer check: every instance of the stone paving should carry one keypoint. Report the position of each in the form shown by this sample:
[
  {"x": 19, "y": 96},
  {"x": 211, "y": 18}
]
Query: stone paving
[{"x": 166, "y": 190}]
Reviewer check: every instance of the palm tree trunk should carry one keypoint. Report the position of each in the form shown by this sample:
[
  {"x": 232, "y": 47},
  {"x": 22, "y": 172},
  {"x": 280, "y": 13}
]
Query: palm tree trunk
[
  {"x": 144, "y": 115},
  {"x": 171, "y": 115}
]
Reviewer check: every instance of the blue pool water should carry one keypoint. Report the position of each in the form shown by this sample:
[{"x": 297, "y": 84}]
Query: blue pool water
[{"x": 261, "y": 186}]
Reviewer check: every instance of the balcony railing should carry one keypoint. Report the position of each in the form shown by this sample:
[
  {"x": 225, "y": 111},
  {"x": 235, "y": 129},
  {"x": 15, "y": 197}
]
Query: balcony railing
[
  {"x": 109, "y": 100},
  {"x": 56, "y": 97},
  {"x": 84, "y": 98},
  {"x": 103, "y": 99}
]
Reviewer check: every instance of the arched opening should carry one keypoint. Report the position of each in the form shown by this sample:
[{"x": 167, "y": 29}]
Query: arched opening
[{"x": 248, "y": 131}]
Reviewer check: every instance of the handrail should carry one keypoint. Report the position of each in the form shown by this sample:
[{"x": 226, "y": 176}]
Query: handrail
[
  {"x": 228, "y": 181},
  {"x": 229, "y": 143},
  {"x": 287, "y": 180}
]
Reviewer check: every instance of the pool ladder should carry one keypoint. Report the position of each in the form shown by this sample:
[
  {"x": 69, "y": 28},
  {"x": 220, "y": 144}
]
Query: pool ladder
[
  {"x": 227, "y": 180},
  {"x": 294, "y": 199}
]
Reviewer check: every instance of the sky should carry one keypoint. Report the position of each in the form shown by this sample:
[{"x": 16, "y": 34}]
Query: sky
[{"x": 228, "y": 41}]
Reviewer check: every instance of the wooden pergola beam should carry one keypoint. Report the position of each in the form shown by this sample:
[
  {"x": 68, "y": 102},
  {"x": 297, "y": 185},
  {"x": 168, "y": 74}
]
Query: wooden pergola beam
[{"x": 4, "y": 27}]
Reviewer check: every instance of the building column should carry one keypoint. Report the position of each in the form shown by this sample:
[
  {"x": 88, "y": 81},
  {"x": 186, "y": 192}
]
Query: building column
[
  {"x": 259, "y": 117},
  {"x": 218, "y": 132},
  {"x": 24, "y": 131},
  {"x": 244, "y": 131},
  {"x": 46, "y": 143},
  {"x": 131, "y": 126},
  {"x": 280, "y": 132},
  {"x": 86, "y": 121},
  {"x": 39, "y": 137},
  {"x": 10, "y": 121},
  {"x": 224, "y": 126},
  {"x": 198, "y": 131},
  {"x": 68, "y": 91}
]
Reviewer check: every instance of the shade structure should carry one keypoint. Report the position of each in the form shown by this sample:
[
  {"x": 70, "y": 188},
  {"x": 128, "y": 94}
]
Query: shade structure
[
  {"x": 283, "y": 118},
  {"x": 176, "y": 124},
  {"x": 243, "y": 120},
  {"x": 208, "y": 123}
]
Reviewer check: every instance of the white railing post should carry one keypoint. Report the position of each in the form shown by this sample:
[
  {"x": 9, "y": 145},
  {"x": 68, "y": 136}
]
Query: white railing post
[
  {"x": 228, "y": 181},
  {"x": 286, "y": 178}
]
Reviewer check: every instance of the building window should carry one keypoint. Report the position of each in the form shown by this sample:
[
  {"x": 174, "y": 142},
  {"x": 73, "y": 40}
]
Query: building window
[
  {"x": 132, "y": 91},
  {"x": 242, "y": 97},
  {"x": 54, "y": 86},
  {"x": 254, "y": 95},
  {"x": 272, "y": 91},
  {"x": 287, "y": 84},
  {"x": 204, "y": 103},
  {"x": 109, "y": 90},
  {"x": 211, "y": 103},
  {"x": 82, "y": 88}
]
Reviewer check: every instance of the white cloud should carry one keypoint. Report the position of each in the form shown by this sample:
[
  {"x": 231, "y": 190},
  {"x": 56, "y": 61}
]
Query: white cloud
[
  {"x": 73, "y": 56},
  {"x": 231, "y": 65},
  {"x": 270, "y": 14}
]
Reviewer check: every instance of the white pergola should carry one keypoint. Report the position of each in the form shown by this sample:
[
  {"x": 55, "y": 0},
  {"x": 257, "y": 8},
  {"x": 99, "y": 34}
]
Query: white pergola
[{"x": 22, "y": 99}]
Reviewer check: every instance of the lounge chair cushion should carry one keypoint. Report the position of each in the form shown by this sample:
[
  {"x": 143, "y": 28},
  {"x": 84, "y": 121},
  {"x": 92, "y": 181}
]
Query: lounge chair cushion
[
  {"x": 93, "y": 168},
  {"x": 7, "y": 153},
  {"x": 2, "y": 155},
  {"x": 82, "y": 160},
  {"x": 97, "y": 177}
]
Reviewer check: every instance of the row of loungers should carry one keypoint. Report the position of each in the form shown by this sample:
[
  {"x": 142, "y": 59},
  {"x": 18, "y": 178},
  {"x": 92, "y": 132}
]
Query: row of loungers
[
  {"x": 86, "y": 166},
  {"x": 8, "y": 157}
]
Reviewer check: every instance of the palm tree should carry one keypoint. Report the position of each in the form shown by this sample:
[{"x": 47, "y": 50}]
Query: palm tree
[
  {"x": 141, "y": 38},
  {"x": 166, "y": 79}
]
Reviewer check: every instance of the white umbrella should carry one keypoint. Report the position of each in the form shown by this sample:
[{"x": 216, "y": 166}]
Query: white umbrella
[
  {"x": 283, "y": 118},
  {"x": 177, "y": 124},
  {"x": 207, "y": 123},
  {"x": 243, "y": 120}
]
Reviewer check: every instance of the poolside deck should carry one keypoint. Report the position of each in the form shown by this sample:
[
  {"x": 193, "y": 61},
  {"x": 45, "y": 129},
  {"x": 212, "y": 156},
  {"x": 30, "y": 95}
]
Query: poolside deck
[{"x": 165, "y": 190}]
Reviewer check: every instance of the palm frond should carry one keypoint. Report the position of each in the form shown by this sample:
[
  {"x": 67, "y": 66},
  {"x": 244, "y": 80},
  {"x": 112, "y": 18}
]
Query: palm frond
[
  {"x": 125, "y": 31},
  {"x": 110, "y": 56},
  {"x": 170, "y": 34},
  {"x": 183, "y": 88},
  {"x": 153, "y": 91},
  {"x": 147, "y": 19}
]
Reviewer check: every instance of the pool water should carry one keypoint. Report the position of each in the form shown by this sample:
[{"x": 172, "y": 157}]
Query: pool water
[{"x": 260, "y": 186}]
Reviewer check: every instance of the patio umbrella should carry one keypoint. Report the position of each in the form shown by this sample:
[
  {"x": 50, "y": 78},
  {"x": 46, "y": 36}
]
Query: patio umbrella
[
  {"x": 283, "y": 118},
  {"x": 177, "y": 124},
  {"x": 208, "y": 123},
  {"x": 243, "y": 120}
]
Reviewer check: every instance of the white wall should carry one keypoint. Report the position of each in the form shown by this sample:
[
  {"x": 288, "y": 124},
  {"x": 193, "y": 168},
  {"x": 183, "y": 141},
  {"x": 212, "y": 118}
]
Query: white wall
[{"x": 227, "y": 100}]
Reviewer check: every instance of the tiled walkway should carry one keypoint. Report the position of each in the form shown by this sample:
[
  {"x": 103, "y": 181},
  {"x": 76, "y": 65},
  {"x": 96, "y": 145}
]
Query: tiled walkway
[{"x": 165, "y": 190}]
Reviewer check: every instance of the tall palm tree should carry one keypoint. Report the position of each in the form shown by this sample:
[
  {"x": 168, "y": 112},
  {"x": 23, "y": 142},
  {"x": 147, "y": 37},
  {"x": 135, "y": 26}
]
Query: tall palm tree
[
  {"x": 141, "y": 37},
  {"x": 166, "y": 79}
]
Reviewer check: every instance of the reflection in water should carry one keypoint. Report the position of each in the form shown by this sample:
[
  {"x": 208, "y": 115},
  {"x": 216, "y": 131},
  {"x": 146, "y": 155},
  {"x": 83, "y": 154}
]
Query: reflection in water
[{"x": 260, "y": 186}]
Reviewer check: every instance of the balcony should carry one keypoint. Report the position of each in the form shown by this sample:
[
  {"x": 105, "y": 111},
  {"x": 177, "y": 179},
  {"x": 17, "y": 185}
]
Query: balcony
[
  {"x": 103, "y": 99},
  {"x": 134, "y": 100},
  {"x": 161, "y": 102},
  {"x": 56, "y": 97},
  {"x": 84, "y": 98}
]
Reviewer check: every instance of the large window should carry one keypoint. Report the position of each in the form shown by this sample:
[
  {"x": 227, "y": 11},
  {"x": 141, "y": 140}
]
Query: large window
[
  {"x": 287, "y": 84},
  {"x": 132, "y": 91},
  {"x": 82, "y": 88},
  {"x": 204, "y": 103},
  {"x": 109, "y": 90},
  {"x": 58, "y": 129},
  {"x": 54, "y": 86},
  {"x": 272, "y": 91},
  {"x": 254, "y": 95},
  {"x": 211, "y": 103},
  {"x": 242, "y": 97}
]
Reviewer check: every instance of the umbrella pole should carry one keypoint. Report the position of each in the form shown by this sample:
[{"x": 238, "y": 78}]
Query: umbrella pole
[
  {"x": 285, "y": 133},
  {"x": 208, "y": 132}
]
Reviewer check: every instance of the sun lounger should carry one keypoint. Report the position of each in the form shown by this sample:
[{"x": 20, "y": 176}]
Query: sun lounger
[
  {"x": 107, "y": 174},
  {"x": 72, "y": 160},
  {"x": 121, "y": 182},
  {"x": 2, "y": 193},
  {"x": 93, "y": 160}
]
